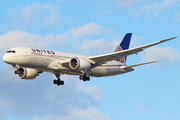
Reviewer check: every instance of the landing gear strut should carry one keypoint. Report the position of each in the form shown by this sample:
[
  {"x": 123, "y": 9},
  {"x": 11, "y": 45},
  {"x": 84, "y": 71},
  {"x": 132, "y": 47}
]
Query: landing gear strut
[
  {"x": 58, "y": 81},
  {"x": 84, "y": 78}
]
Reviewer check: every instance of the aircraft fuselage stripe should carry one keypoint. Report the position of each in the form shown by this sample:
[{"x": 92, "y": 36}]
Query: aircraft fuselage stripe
[{"x": 35, "y": 55}]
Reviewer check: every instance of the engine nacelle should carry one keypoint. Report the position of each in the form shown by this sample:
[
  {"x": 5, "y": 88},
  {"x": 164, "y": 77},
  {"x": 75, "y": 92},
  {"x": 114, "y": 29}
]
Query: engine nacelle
[
  {"x": 27, "y": 73},
  {"x": 79, "y": 64}
]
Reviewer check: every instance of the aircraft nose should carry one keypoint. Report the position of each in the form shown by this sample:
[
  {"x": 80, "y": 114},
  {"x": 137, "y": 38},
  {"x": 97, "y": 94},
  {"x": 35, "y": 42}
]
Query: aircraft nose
[
  {"x": 5, "y": 59},
  {"x": 8, "y": 59}
]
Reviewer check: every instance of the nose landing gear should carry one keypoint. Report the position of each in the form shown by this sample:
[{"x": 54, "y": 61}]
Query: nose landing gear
[{"x": 18, "y": 71}]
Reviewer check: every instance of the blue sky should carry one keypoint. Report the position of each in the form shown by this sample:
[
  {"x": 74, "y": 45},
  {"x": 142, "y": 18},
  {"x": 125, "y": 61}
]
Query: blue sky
[{"x": 93, "y": 28}]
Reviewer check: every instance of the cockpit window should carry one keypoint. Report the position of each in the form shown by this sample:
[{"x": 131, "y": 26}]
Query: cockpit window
[{"x": 11, "y": 51}]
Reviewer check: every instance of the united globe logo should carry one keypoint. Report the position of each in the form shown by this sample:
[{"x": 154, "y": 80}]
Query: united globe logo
[
  {"x": 122, "y": 60},
  {"x": 119, "y": 48}
]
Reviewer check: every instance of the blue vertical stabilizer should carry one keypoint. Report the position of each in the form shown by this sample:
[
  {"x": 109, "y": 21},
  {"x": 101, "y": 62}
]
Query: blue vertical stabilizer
[{"x": 124, "y": 44}]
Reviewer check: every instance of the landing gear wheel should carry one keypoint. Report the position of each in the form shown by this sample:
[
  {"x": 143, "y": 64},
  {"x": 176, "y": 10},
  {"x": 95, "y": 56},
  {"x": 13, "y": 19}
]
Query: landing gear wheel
[
  {"x": 55, "y": 81},
  {"x": 62, "y": 82},
  {"x": 16, "y": 72},
  {"x": 84, "y": 78},
  {"x": 58, "y": 82},
  {"x": 88, "y": 78},
  {"x": 81, "y": 77}
]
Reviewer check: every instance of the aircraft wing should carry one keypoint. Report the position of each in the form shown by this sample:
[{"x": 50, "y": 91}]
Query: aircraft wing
[{"x": 101, "y": 59}]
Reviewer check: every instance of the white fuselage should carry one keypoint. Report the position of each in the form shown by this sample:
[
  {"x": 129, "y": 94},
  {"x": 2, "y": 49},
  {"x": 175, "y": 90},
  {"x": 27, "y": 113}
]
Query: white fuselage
[{"x": 50, "y": 61}]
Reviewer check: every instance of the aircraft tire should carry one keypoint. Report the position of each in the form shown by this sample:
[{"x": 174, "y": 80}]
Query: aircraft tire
[
  {"x": 81, "y": 77},
  {"x": 62, "y": 82},
  {"x": 55, "y": 81},
  {"x": 58, "y": 82},
  {"x": 88, "y": 78},
  {"x": 84, "y": 78},
  {"x": 16, "y": 72}
]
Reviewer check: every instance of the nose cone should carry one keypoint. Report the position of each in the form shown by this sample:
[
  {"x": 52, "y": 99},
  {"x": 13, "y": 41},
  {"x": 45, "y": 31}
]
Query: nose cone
[{"x": 4, "y": 58}]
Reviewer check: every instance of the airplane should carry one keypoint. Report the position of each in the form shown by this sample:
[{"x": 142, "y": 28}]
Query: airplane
[{"x": 30, "y": 62}]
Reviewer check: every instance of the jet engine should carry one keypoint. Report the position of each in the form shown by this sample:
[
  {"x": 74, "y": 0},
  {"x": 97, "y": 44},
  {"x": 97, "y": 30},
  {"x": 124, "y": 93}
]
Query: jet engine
[
  {"x": 79, "y": 64},
  {"x": 27, "y": 73}
]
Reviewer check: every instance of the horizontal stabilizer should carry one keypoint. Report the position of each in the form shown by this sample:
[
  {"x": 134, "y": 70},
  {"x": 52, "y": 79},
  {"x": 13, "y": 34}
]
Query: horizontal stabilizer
[{"x": 123, "y": 67}]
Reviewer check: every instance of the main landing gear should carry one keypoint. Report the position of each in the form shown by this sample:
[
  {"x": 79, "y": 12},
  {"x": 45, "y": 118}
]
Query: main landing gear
[
  {"x": 61, "y": 82},
  {"x": 58, "y": 81},
  {"x": 84, "y": 78}
]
